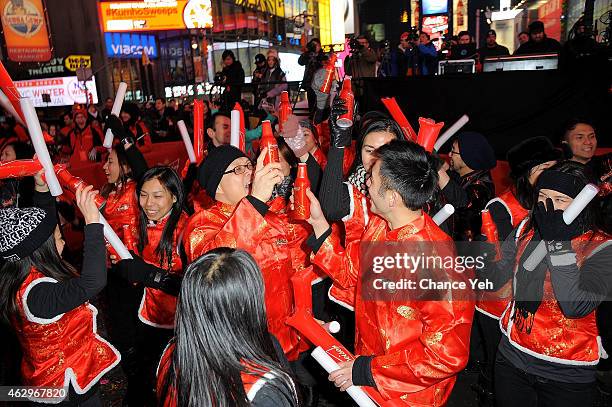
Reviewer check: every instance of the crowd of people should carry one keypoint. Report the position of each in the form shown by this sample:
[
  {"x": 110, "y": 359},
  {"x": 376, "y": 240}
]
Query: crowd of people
[
  {"x": 416, "y": 53},
  {"x": 198, "y": 314}
]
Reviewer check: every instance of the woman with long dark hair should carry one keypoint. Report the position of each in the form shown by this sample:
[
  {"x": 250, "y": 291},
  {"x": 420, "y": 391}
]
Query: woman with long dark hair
[
  {"x": 527, "y": 160},
  {"x": 46, "y": 300},
  {"x": 159, "y": 266},
  {"x": 222, "y": 353},
  {"x": 550, "y": 344}
]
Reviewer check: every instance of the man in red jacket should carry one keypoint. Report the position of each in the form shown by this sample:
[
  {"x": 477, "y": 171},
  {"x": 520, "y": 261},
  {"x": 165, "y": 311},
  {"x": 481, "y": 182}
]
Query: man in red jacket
[
  {"x": 410, "y": 350},
  {"x": 240, "y": 218}
]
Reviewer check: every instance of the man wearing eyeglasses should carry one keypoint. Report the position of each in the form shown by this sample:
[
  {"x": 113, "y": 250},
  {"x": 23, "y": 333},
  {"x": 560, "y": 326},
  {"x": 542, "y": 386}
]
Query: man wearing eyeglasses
[
  {"x": 466, "y": 183},
  {"x": 240, "y": 218}
]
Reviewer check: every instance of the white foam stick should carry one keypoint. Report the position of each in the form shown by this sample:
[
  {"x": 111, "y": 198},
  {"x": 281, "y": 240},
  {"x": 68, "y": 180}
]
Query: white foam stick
[
  {"x": 443, "y": 214},
  {"x": 114, "y": 241},
  {"x": 38, "y": 141},
  {"x": 333, "y": 327},
  {"x": 450, "y": 132},
  {"x": 356, "y": 393},
  {"x": 8, "y": 106},
  {"x": 235, "y": 129},
  {"x": 121, "y": 89},
  {"x": 579, "y": 203},
  {"x": 569, "y": 215},
  {"x": 187, "y": 141}
]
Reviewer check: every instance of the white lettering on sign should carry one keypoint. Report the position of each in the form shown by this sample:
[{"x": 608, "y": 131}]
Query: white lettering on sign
[{"x": 120, "y": 49}]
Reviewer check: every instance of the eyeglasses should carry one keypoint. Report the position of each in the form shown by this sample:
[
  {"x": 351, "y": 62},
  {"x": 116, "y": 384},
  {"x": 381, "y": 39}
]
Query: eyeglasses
[
  {"x": 240, "y": 169},
  {"x": 455, "y": 152}
]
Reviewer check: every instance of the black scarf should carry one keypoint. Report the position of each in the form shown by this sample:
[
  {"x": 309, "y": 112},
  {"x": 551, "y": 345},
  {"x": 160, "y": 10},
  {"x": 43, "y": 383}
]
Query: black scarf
[{"x": 529, "y": 289}]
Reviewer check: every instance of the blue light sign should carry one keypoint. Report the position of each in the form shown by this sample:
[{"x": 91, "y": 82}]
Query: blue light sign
[{"x": 130, "y": 45}]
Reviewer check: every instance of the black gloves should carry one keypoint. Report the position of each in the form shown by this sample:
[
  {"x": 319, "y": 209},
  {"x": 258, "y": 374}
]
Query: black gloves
[
  {"x": 114, "y": 123},
  {"x": 552, "y": 227},
  {"x": 340, "y": 136},
  {"x": 137, "y": 270}
]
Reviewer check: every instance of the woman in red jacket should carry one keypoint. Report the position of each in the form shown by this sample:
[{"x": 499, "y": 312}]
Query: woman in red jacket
[
  {"x": 85, "y": 139},
  {"x": 46, "y": 301},
  {"x": 159, "y": 266},
  {"x": 550, "y": 339},
  {"x": 222, "y": 353}
]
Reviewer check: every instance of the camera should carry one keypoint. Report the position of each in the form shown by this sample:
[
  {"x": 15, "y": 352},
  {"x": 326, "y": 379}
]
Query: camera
[
  {"x": 354, "y": 45},
  {"x": 219, "y": 78},
  {"x": 413, "y": 34}
]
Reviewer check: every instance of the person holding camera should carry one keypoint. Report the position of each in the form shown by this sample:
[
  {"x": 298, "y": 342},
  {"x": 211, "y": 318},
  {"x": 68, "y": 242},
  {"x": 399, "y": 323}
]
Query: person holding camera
[
  {"x": 312, "y": 58},
  {"x": 362, "y": 61},
  {"x": 232, "y": 77}
]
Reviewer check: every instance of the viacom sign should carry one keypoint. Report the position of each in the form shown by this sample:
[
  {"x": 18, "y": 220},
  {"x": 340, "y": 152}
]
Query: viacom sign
[{"x": 130, "y": 45}]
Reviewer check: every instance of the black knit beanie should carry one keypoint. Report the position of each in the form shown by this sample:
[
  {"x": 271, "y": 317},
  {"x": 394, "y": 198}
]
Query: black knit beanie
[
  {"x": 216, "y": 163},
  {"x": 475, "y": 150},
  {"x": 23, "y": 230}
]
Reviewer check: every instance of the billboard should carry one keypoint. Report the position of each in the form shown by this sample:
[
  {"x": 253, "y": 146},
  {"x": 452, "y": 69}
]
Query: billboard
[
  {"x": 64, "y": 91},
  {"x": 25, "y": 30},
  {"x": 129, "y": 16},
  {"x": 434, "y": 7},
  {"x": 130, "y": 45}
]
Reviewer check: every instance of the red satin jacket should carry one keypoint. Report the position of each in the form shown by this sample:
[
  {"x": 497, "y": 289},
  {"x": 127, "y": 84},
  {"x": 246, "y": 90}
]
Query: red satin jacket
[
  {"x": 554, "y": 337},
  {"x": 252, "y": 383},
  {"x": 157, "y": 308},
  {"x": 267, "y": 240},
  {"x": 418, "y": 346},
  {"x": 489, "y": 303},
  {"x": 82, "y": 142},
  {"x": 122, "y": 208},
  {"x": 62, "y": 350}
]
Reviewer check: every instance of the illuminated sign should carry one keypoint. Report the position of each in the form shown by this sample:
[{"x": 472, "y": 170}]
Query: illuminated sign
[
  {"x": 434, "y": 7},
  {"x": 130, "y": 45},
  {"x": 435, "y": 27},
  {"x": 74, "y": 62},
  {"x": 129, "y": 16},
  {"x": 25, "y": 30},
  {"x": 64, "y": 91}
]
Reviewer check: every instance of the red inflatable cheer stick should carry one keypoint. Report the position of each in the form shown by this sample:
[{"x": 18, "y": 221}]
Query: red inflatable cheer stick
[
  {"x": 9, "y": 97},
  {"x": 72, "y": 183},
  {"x": 198, "y": 130},
  {"x": 399, "y": 117},
  {"x": 19, "y": 168},
  {"x": 330, "y": 70},
  {"x": 428, "y": 133}
]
